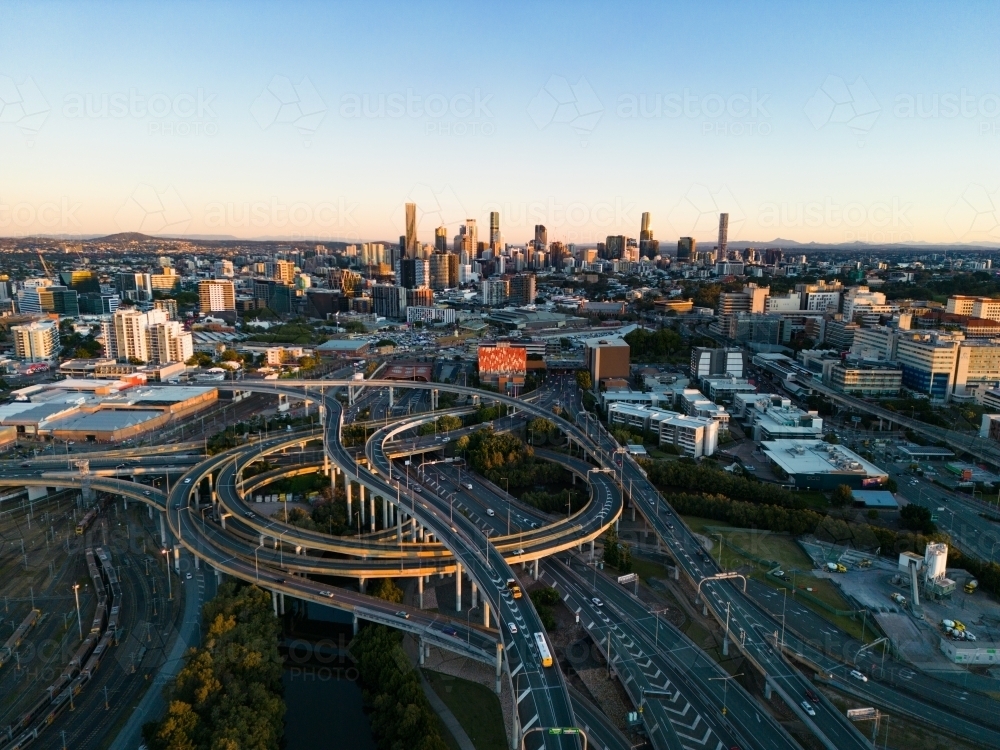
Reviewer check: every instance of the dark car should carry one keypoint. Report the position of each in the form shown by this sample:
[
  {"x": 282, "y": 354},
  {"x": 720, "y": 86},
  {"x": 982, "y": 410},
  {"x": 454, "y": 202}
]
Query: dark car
[
  {"x": 811, "y": 695},
  {"x": 450, "y": 631}
]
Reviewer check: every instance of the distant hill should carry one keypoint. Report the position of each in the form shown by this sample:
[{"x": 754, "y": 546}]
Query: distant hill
[{"x": 128, "y": 237}]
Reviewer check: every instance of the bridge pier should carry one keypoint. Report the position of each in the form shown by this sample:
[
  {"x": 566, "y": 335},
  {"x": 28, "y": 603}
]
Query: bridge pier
[
  {"x": 281, "y": 603},
  {"x": 592, "y": 550},
  {"x": 486, "y": 615},
  {"x": 475, "y": 595},
  {"x": 371, "y": 511},
  {"x": 274, "y": 602},
  {"x": 500, "y": 667},
  {"x": 420, "y": 592},
  {"x": 399, "y": 524},
  {"x": 768, "y": 690},
  {"x": 361, "y": 503},
  {"x": 347, "y": 491},
  {"x": 385, "y": 513},
  {"x": 420, "y": 650},
  {"x": 354, "y": 623},
  {"x": 391, "y": 395},
  {"x": 163, "y": 528},
  {"x": 538, "y": 568},
  {"x": 150, "y": 509},
  {"x": 458, "y": 587},
  {"x": 361, "y": 585}
]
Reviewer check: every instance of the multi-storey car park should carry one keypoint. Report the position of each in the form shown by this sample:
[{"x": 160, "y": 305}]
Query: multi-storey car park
[{"x": 277, "y": 557}]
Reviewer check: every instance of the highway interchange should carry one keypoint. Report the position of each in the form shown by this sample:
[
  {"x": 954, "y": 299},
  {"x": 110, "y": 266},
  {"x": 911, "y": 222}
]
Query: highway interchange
[{"x": 645, "y": 654}]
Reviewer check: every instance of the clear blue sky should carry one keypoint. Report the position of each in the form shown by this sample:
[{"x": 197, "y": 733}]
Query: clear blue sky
[{"x": 807, "y": 123}]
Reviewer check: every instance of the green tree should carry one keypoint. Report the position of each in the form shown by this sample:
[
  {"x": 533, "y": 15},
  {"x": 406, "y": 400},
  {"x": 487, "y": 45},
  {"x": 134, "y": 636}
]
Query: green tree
[
  {"x": 387, "y": 589},
  {"x": 841, "y": 496},
  {"x": 611, "y": 548},
  {"x": 583, "y": 380},
  {"x": 917, "y": 518}
]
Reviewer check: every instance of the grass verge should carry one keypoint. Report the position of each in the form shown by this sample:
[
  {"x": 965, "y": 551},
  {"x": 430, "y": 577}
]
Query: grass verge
[{"x": 476, "y": 708}]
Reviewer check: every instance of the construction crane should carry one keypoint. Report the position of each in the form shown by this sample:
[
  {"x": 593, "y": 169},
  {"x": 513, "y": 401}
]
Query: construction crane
[{"x": 44, "y": 265}]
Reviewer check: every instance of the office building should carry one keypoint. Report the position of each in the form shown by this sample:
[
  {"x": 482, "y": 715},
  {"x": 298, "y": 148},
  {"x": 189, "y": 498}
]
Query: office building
[
  {"x": 753, "y": 299},
  {"x": 691, "y": 436},
  {"x": 443, "y": 271},
  {"x": 495, "y": 291},
  {"x": 866, "y": 378},
  {"x": 614, "y": 247},
  {"x": 37, "y": 341},
  {"x": 169, "y": 342},
  {"x": 389, "y": 301},
  {"x": 441, "y": 239},
  {"x": 541, "y": 236},
  {"x": 860, "y": 300},
  {"x": 607, "y": 358},
  {"x": 522, "y": 289},
  {"x": 788, "y": 303},
  {"x": 839, "y": 334},
  {"x": 169, "y": 306},
  {"x": 136, "y": 287},
  {"x": 216, "y": 295},
  {"x": 687, "y": 249},
  {"x": 928, "y": 362},
  {"x": 772, "y": 417},
  {"x": 81, "y": 281},
  {"x": 165, "y": 281},
  {"x": 820, "y": 297},
  {"x": 422, "y": 297},
  {"x": 414, "y": 273},
  {"x": 99, "y": 304},
  {"x": 723, "y": 235},
  {"x": 430, "y": 315},
  {"x": 223, "y": 269},
  {"x": 709, "y": 363}
]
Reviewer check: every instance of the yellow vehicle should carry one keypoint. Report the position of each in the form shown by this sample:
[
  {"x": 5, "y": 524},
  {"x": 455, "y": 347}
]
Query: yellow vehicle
[
  {"x": 543, "y": 650},
  {"x": 515, "y": 590},
  {"x": 971, "y": 585}
]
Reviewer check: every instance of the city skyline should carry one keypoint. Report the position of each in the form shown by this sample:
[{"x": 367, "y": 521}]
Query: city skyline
[{"x": 279, "y": 127}]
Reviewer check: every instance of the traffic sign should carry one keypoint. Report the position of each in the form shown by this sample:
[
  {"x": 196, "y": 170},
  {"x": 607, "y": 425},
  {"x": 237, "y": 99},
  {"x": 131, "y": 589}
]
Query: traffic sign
[
  {"x": 861, "y": 714},
  {"x": 628, "y": 578}
]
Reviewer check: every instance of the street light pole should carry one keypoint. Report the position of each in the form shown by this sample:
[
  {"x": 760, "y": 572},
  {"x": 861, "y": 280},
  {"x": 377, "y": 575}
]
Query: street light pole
[
  {"x": 170, "y": 591},
  {"x": 76, "y": 595}
]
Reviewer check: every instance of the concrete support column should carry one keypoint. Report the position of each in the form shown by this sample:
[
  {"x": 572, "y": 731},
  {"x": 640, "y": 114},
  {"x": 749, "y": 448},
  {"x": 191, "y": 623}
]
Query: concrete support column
[
  {"x": 281, "y": 603},
  {"x": 592, "y": 550},
  {"x": 371, "y": 511},
  {"x": 420, "y": 648},
  {"x": 538, "y": 568},
  {"x": 361, "y": 585},
  {"x": 354, "y": 622},
  {"x": 475, "y": 595},
  {"x": 500, "y": 668},
  {"x": 486, "y": 616},
  {"x": 385, "y": 513},
  {"x": 361, "y": 503},
  {"x": 704, "y": 609},
  {"x": 420, "y": 592},
  {"x": 458, "y": 587},
  {"x": 347, "y": 490},
  {"x": 163, "y": 529},
  {"x": 124, "y": 503},
  {"x": 197, "y": 562},
  {"x": 767, "y": 688},
  {"x": 633, "y": 514},
  {"x": 274, "y": 602},
  {"x": 391, "y": 394},
  {"x": 150, "y": 509}
]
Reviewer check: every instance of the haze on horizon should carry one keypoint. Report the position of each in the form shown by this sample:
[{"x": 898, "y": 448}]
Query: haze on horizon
[{"x": 829, "y": 125}]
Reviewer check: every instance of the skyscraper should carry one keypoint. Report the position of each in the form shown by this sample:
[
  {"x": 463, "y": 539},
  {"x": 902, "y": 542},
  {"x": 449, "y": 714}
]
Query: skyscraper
[
  {"x": 472, "y": 236},
  {"x": 645, "y": 233},
  {"x": 441, "y": 239},
  {"x": 687, "y": 247},
  {"x": 614, "y": 246},
  {"x": 495, "y": 230},
  {"x": 723, "y": 235},
  {"x": 541, "y": 236},
  {"x": 522, "y": 289},
  {"x": 648, "y": 247},
  {"x": 411, "y": 230}
]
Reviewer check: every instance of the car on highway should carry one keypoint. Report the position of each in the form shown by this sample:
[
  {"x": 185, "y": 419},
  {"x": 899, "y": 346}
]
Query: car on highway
[
  {"x": 188, "y": 576},
  {"x": 858, "y": 675},
  {"x": 450, "y": 631},
  {"x": 147, "y": 493},
  {"x": 749, "y": 467},
  {"x": 512, "y": 628},
  {"x": 468, "y": 485},
  {"x": 490, "y": 512},
  {"x": 328, "y": 594},
  {"x": 596, "y": 602},
  {"x": 811, "y": 695},
  {"x": 807, "y": 707},
  {"x": 187, "y": 481},
  {"x": 404, "y": 615},
  {"x": 25, "y": 465},
  {"x": 416, "y": 488}
]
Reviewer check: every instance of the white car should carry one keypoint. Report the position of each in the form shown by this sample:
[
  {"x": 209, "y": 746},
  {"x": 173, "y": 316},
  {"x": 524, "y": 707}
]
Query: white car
[
  {"x": 187, "y": 481},
  {"x": 597, "y": 602},
  {"x": 858, "y": 675},
  {"x": 807, "y": 707},
  {"x": 490, "y": 512},
  {"x": 512, "y": 628},
  {"x": 416, "y": 488}
]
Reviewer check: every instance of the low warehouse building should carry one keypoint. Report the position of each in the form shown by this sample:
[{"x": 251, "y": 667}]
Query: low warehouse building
[{"x": 816, "y": 465}]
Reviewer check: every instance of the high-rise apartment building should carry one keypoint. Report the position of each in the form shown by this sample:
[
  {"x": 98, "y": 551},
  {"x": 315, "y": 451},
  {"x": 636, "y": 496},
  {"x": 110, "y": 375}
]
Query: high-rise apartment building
[
  {"x": 283, "y": 271},
  {"x": 389, "y": 301},
  {"x": 169, "y": 342},
  {"x": 607, "y": 358},
  {"x": 37, "y": 341},
  {"x": 224, "y": 269},
  {"x": 169, "y": 306},
  {"x": 137, "y": 287},
  {"x": 216, "y": 295},
  {"x": 443, "y": 271},
  {"x": 723, "y": 234},
  {"x": 541, "y": 236},
  {"x": 687, "y": 248},
  {"x": 495, "y": 291},
  {"x": 126, "y": 335},
  {"x": 522, "y": 289},
  {"x": 414, "y": 273},
  {"x": 614, "y": 246},
  {"x": 410, "y": 238},
  {"x": 495, "y": 231}
]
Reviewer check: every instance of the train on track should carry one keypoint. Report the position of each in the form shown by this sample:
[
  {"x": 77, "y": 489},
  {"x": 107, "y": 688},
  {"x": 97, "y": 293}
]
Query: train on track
[{"x": 85, "y": 662}]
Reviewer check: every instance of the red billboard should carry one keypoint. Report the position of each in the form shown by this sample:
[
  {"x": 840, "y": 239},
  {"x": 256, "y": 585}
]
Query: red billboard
[{"x": 502, "y": 358}]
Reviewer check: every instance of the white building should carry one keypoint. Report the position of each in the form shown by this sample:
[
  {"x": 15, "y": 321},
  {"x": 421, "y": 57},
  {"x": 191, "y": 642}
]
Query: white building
[
  {"x": 169, "y": 342},
  {"x": 37, "y": 341},
  {"x": 692, "y": 436},
  {"x": 224, "y": 269},
  {"x": 430, "y": 314},
  {"x": 126, "y": 335}
]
